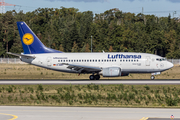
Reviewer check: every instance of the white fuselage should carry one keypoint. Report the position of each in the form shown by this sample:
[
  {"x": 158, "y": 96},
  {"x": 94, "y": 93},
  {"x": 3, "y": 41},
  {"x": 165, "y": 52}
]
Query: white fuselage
[{"x": 128, "y": 62}]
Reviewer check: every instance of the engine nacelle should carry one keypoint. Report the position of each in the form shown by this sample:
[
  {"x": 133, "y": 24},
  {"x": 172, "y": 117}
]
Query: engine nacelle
[{"x": 111, "y": 72}]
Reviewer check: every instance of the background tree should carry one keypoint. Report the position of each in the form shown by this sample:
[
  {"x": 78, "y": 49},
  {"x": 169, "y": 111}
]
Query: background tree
[{"x": 68, "y": 30}]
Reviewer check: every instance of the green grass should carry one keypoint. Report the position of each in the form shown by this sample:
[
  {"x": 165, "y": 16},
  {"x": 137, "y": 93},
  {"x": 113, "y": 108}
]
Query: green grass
[
  {"x": 91, "y": 95},
  {"x": 25, "y": 71}
]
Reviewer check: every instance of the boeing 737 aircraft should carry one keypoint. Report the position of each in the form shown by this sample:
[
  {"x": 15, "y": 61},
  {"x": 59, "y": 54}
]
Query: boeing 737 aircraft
[{"x": 109, "y": 64}]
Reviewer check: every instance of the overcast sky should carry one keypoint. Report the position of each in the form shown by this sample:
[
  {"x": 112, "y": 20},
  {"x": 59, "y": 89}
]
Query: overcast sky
[{"x": 157, "y": 7}]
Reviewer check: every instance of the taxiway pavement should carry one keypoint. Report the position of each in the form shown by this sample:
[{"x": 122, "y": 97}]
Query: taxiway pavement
[
  {"x": 86, "y": 113},
  {"x": 75, "y": 82}
]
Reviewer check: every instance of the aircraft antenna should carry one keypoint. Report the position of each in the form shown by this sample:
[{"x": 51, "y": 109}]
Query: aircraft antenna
[{"x": 2, "y": 6}]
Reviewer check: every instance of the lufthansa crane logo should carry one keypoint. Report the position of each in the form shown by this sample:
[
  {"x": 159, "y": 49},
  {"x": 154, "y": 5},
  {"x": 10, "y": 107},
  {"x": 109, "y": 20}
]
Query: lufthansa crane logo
[{"x": 28, "y": 39}]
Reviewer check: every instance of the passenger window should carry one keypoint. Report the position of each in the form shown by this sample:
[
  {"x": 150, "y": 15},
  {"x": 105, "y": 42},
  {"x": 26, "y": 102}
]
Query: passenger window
[
  {"x": 104, "y": 60},
  {"x": 126, "y": 60},
  {"x": 131, "y": 60},
  {"x": 112, "y": 60},
  {"x": 99, "y": 60},
  {"x": 95, "y": 60},
  {"x": 61, "y": 60},
  {"x": 69, "y": 60},
  {"x": 90, "y": 60},
  {"x": 84, "y": 60},
  {"x": 115, "y": 60},
  {"x": 58, "y": 60},
  {"x": 66, "y": 60},
  {"x": 120, "y": 60},
  {"x": 109, "y": 60},
  {"x": 134, "y": 60},
  {"x": 79, "y": 60},
  {"x": 137, "y": 60},
  {"x": 123, "y": 60}
]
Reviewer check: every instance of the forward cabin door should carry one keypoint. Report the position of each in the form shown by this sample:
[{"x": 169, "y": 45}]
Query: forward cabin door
[
  {"x": 148, "y": 62},
  {"x": 49, "y": 61}
]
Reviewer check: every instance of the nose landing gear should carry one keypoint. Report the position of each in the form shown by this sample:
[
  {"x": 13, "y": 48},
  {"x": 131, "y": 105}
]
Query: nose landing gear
[
  {"x": 153, "y": 74},
  {"x": 94, "y": 77},
  {"x": 152, "y": 77}
]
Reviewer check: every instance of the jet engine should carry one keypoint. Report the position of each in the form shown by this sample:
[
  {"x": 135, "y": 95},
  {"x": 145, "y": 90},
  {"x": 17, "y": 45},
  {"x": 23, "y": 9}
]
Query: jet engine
[{"x": 111, "y": 72}]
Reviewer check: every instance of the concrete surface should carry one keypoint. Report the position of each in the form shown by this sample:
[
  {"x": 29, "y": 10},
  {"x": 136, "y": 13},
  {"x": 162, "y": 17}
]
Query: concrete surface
[{"x": 86, "y": 113}]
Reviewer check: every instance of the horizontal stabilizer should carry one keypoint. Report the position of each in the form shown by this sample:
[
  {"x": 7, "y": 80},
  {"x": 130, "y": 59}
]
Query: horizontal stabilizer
[{"x": 20, "y": 55}]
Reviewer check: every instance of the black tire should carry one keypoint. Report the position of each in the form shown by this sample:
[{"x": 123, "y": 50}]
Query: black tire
[
  {"x": 152, "y": 77},
  {"x": 97, "y": 77},
  {"x": 91, "y": 77}
]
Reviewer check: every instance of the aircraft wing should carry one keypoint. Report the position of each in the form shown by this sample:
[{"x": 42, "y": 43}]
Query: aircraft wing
[
  {"x": 20, "y": 55},
  {"x": 81, "y": 68}
]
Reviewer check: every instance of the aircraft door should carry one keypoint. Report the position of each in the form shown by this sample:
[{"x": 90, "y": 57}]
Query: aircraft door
[
  {"x": 49, "y": 60},
  {"x": 148, "y": 61}
]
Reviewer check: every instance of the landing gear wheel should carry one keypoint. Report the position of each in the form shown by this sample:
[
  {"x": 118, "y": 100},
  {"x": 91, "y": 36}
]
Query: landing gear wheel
[
  {"x": 97, "y": 77},
  {"x": 91, "y": 77},
  {"x": 152, "y": 77}
]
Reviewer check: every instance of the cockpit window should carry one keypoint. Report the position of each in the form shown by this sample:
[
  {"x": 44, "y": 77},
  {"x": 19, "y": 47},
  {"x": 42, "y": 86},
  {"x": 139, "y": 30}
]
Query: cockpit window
[
  {"x": 164, "y": 59},
  {"x": 161, "y": 59}
]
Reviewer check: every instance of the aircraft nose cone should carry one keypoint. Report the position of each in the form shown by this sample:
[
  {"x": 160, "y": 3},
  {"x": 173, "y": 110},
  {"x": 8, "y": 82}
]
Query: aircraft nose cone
[{"x": 170, "y": 65}]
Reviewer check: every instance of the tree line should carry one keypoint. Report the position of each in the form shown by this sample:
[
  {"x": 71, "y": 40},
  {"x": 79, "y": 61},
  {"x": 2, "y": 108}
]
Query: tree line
[{"x": 68, "y": 30}]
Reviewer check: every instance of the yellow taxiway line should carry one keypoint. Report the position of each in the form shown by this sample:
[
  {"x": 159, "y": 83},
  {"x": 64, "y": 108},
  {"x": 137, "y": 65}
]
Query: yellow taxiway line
[
  {"x": 14, "y": 116},
  {"x": 144, "y": 118}
]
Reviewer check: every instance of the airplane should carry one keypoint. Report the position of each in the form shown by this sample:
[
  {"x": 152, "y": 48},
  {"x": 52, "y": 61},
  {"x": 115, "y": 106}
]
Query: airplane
[{"x": 107, "y": 64}]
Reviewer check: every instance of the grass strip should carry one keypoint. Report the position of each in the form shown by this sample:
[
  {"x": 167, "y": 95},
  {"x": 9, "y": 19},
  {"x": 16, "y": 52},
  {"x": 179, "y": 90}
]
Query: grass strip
[{"x": 91, "y": 95}]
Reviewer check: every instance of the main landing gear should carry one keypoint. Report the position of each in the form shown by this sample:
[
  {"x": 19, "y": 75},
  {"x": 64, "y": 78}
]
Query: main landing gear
[{"x": 94, "y": 77}]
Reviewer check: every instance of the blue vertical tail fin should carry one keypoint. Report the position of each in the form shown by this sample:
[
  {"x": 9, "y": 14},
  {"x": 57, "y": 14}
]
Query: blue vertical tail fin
[{"x": 30, "y": 42}]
